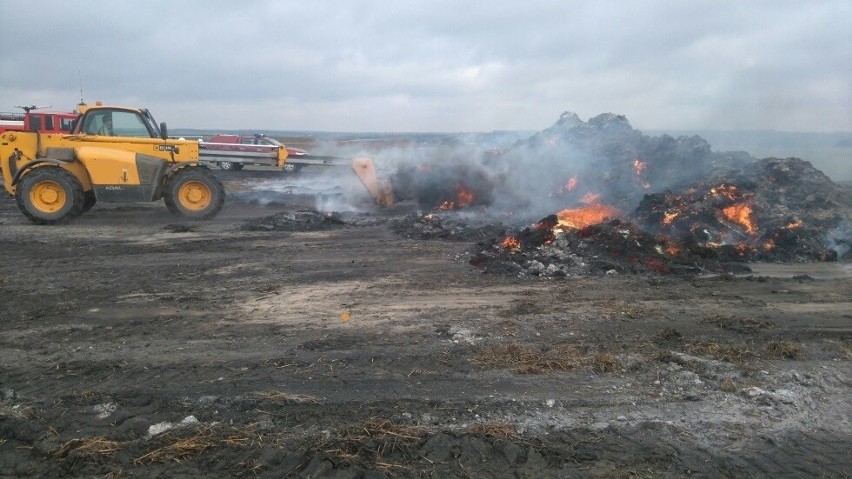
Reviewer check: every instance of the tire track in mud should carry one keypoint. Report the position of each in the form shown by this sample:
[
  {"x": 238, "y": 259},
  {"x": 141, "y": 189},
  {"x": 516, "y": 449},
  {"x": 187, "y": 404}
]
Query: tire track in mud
[{"x": 113, "y": 315}]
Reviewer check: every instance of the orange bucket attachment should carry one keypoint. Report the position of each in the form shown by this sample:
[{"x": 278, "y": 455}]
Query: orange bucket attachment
[{"x": 380, "y": 190}]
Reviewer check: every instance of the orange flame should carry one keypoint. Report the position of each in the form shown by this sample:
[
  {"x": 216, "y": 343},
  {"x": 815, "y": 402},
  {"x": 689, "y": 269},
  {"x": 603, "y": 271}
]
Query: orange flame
[
  {"x": 464, "y": 198},
  {"x": 728, "y": 191},
  {"x": 510, "y": 242},
  {"x": 672, "y": 250},
  {"x": 669, "y": 216},
  {"x": 741, "y": 213},
  {"x": 571, "y": 184},
  {"x": 568, "y": 186},
  {"x": 590, "y": 198},
  {"x": 639, "y": 167},
  {"x": 590, "y": 215},
  {"x": 793, "y": 225},
  {"x": 464, "y": 195}
]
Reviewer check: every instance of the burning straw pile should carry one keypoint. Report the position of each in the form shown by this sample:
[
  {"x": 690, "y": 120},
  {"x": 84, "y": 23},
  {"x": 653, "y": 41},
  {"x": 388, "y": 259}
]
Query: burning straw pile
[{"x": 635, "y": 204}]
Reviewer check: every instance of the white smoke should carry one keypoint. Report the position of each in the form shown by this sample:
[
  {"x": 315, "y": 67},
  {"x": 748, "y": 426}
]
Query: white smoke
[{"x": 840, "y": 239}]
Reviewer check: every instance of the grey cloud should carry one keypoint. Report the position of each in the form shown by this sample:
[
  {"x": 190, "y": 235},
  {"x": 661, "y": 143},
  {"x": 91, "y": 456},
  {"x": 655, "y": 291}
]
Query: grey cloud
[{"x": 439, "y": 65}]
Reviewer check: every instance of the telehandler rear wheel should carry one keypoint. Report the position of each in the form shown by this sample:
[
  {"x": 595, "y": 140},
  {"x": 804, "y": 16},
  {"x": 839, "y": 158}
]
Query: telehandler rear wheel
[
  {"x": 194, "y": 192},
  {"x": 49, "y": 195},
  {"x": 230, "y": 166}
]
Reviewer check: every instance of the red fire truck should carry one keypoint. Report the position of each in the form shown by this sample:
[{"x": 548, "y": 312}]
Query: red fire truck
[{"x": 41, "y": 121}]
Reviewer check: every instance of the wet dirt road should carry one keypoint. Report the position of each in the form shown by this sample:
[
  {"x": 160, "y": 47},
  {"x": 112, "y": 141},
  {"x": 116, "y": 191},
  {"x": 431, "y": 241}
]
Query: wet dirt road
[{"x": 135, "y": 344}]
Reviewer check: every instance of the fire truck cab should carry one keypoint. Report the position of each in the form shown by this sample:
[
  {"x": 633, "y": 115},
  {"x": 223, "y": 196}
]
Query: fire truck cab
[{"x": 40, "y": 121}]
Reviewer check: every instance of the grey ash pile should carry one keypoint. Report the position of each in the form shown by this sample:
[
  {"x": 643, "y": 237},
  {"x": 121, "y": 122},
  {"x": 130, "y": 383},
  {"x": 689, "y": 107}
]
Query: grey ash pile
[
  {"x": 448, "y": 226},
  {"x": 612, "y": 247},
  {"x": 296, "y": 221}
]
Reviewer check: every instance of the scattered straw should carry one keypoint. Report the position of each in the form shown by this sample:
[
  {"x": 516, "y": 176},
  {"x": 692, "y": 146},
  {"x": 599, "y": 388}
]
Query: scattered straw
[
  {"x": 525, "y": 360},
  {"x": 727, "y": 385},
  {"x": 725, "y": 352},
  {"x": 605, "y": 363},
  {"x": 372, "y": 441},
  {"x": 17, "y": 411},
  {"x": 93, "y": 446},
  {"x": 499, "y": 430},
  {"x": 785, "y": 350},
  {"x": 731, "y": 323},
  {"x": 178, "y": 448},
  {"x": 84, "y": 394},
  {"x": 284, "y": 397}
]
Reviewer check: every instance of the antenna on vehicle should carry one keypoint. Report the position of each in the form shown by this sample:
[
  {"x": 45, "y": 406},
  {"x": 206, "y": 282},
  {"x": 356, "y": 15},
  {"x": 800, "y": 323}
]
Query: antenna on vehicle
[
  {"x": 80, "y": 76},
  {"x": 30, "y": 108}
]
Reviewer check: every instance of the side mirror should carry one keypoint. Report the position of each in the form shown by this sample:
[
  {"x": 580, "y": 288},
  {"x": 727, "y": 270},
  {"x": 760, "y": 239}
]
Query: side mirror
[{"x": 164, "y": 131}]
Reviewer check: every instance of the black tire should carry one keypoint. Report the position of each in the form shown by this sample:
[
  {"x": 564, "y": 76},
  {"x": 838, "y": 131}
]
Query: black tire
[
  {"x": 230, "y": 166},
  {"x": 89, "y": 201},
  {"x": 49, "y": 195},
  {"x": 194, "y": 192}
]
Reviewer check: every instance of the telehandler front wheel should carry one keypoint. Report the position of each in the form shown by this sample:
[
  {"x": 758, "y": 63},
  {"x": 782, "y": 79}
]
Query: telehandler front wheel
[
  {"x": 49, "y": 195},
  {"x": 89, "y": 201},
  {"x": 194, "y": 192}
]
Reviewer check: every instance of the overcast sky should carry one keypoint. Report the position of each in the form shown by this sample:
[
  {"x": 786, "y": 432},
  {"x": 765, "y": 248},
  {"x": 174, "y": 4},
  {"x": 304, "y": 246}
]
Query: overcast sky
[{"x": 444, "y": 65}]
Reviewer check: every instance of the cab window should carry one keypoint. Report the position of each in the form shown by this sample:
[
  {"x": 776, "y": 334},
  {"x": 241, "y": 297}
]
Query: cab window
[
  {"x": 126, "y": 123},
  {"x": 116, "y": 123}
]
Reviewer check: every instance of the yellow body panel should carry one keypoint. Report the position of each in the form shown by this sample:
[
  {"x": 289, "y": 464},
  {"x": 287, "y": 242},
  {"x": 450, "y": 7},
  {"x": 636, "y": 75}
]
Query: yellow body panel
[
  {"x": 79, "y": 170},
  {"x": 108, "y": 166},
  {"x": 187, "y": 149}
]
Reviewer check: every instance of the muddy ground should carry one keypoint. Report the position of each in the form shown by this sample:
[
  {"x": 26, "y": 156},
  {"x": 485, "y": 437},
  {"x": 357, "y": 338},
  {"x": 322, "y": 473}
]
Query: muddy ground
[{"x": 136, "y": 344}]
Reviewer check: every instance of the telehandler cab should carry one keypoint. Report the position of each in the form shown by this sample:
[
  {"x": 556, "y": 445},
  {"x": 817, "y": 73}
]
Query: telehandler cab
[{"x": 113, "y": 154}]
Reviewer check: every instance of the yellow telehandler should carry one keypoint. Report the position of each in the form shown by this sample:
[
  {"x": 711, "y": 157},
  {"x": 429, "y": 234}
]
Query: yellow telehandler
[{"x": 113, "y": 154}]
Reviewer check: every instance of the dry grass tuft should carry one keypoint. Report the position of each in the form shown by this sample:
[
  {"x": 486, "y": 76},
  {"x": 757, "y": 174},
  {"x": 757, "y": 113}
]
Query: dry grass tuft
[
  {"x": 667, "y": 335},
  {"x": 16, "y": 412},
  {"x": 785, "y": 350},
  {"x": 727, "y": 385},
  {"x": 846, "y": 348},
  {"x": 731, "y": 323},
  {"x": 84, "y": 394},
  {"x": 93, "y": 446},
  {"x": 178, "y": 448},
  {"x": 372, "y": 442},
  {"x": 281, "y": 397},
  {"x": 605, "y": 363},
  {"x": 726, "y": 352},
  {"x": 526, "y": 360},
  {"x": 375, "y": 427},
  {"x": 500, "y": 430}
]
